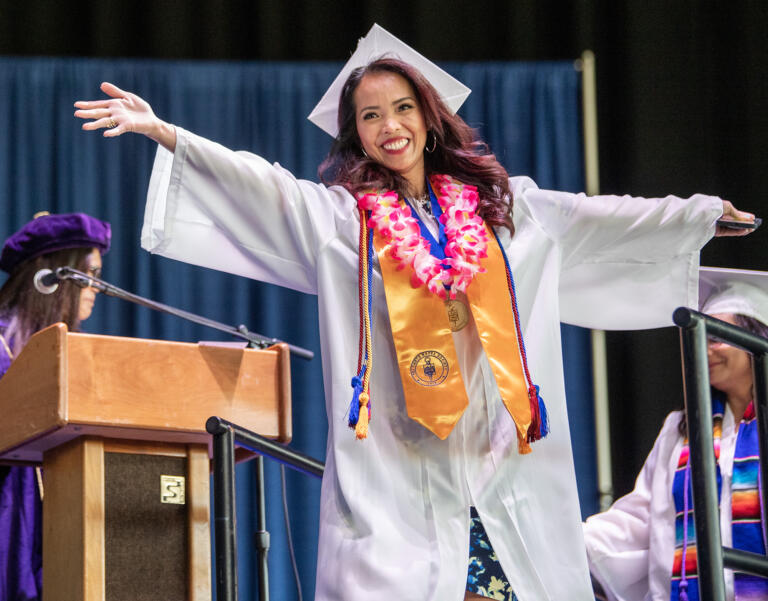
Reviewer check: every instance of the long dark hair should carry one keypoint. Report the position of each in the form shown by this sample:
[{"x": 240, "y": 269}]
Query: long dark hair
[
  {"x": 458, "y": 150},
  {"x": 752, "y": 325},
  {"x": 25, "y": 310}
]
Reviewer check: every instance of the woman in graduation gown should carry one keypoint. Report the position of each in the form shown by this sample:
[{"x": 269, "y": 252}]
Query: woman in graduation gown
[
  {"x": 638, "y": 547},
  {"x": 445, "y": 350},
  {"x": 47, "y": 242}
]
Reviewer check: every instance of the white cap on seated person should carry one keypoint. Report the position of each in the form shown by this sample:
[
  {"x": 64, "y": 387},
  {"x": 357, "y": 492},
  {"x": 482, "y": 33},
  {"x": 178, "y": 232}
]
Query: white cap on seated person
[{"x": 735, "y": 291}]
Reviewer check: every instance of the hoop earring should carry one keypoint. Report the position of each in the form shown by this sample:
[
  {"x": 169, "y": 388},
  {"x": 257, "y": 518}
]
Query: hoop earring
[
  {"x": 434, "y": 143},
  {"x": 365, "y": 154}
]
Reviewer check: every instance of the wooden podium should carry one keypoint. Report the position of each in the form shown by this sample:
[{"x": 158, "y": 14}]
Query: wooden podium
[{"x": 119, "y": 426}]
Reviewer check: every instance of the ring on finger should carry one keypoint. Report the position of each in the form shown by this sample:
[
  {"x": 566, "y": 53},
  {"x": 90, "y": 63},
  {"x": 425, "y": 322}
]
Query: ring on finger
[{"x": 112, "y": 123}]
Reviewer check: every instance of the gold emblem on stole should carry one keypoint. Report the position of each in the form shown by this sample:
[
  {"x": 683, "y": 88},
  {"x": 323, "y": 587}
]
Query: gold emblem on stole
[{"x": 429, "y": 368}]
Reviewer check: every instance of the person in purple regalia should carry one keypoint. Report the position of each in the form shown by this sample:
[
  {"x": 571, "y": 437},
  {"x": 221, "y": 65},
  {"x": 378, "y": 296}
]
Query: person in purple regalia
[{"x": 48, "y": 241}]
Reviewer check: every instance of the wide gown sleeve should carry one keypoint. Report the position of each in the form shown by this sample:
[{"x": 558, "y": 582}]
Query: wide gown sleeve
[
  {"x": 618, "y": 540},
  {"x": 626, "y": 262},
  {"x": 236, "y": 212}
]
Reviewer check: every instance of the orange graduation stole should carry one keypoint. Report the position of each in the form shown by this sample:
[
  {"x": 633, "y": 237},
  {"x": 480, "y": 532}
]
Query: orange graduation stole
[{"x": 435, "y": 394}]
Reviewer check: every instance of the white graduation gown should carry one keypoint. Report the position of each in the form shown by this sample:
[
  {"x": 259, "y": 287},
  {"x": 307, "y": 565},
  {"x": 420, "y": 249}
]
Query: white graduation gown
[
  {"x": 631, "y": 545},
  {"x": 394, "y": 508}
]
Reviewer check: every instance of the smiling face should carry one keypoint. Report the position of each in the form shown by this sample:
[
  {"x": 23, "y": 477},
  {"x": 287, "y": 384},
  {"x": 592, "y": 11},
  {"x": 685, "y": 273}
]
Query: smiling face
[
  {"x": 88, "y": 295},
  {"x": 391, "y": 126},
  {"x": 730, "y": 368}
]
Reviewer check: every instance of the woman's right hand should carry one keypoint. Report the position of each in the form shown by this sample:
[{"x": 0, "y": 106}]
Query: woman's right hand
[
  {"x": 731, "y": 213},
  {"x": 124, "y": 112}
]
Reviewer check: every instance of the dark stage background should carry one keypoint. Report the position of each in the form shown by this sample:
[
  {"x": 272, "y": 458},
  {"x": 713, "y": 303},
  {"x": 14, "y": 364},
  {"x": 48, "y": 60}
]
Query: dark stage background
[{"x": 681, "y": 104}]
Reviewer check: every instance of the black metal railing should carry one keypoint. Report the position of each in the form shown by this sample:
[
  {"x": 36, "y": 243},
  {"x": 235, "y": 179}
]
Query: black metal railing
[
  {"x": 713, "y": 558},
  {"x": 225, "y": 436}
]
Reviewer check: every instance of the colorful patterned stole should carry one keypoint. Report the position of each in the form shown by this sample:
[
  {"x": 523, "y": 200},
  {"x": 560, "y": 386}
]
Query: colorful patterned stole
[{"x": 746, "y": 522}]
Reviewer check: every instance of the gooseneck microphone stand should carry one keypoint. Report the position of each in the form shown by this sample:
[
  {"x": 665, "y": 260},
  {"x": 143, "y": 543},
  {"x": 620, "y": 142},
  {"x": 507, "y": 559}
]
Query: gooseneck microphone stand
[{"x": 254, "y": 340}]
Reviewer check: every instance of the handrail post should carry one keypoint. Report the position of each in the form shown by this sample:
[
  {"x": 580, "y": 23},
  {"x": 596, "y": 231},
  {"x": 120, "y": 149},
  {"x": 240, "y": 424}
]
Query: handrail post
[
  {"x": 224, "y": 508},
  {"x": 261, "y": 535},
  {"x": 698, "y": 411}
]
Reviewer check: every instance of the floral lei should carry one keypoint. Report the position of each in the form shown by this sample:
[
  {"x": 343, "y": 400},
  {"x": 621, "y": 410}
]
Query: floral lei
[{"x": 464, "y": 229}]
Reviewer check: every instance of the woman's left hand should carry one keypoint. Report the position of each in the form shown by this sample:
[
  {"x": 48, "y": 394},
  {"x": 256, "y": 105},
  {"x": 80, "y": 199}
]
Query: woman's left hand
[
  {"x": 124, "y": 112},
  {"x": 731, "y": 213}
]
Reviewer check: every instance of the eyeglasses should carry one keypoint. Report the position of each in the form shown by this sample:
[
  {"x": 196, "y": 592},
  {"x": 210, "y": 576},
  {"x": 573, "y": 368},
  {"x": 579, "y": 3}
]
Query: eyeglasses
[{"x": 94, "y": 272}]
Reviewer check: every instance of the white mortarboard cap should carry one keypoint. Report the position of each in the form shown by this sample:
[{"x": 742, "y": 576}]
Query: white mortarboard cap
[
  {"x": 739, "y": 291},
  {"x": 376, "y": 44}
]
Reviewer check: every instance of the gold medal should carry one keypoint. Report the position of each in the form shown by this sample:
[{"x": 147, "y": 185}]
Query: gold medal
[{"x": 458, "y": 314}]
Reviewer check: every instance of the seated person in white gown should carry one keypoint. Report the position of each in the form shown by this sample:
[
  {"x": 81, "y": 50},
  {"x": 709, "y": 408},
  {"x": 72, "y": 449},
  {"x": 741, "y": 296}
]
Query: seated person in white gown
[{"x": 641, "y": 548}]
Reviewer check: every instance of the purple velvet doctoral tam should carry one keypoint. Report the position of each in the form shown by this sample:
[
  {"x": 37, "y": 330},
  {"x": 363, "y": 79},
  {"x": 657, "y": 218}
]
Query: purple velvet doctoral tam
[{"x": 49, "y": 233}]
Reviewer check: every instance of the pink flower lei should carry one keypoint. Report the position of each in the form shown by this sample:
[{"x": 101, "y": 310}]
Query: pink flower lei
[{"x": 464, "y": 229}]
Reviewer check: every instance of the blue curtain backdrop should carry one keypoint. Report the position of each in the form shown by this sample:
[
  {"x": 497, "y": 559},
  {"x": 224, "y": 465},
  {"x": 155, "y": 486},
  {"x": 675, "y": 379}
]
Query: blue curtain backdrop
[{"x": 528, "y": 113}]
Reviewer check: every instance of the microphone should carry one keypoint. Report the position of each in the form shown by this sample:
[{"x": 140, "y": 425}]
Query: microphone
[{"x": 46, "y": 281}]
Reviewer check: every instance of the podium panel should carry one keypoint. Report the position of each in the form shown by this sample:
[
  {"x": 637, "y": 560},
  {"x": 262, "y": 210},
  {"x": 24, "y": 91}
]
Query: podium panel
[{"x": 146, "y": 548}]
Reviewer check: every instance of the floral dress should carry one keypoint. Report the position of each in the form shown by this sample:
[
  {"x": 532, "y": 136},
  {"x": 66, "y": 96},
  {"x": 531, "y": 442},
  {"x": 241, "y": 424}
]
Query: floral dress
[{"x": 485, "y": 576}]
